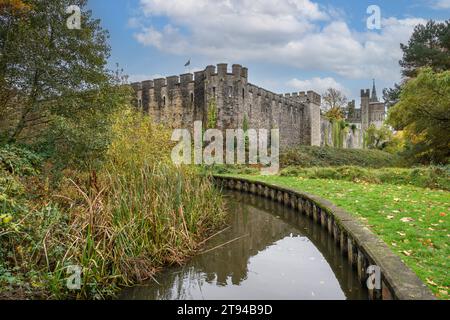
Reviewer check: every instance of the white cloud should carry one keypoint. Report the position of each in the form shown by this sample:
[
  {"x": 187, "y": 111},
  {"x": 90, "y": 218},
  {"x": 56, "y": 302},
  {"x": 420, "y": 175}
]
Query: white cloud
[
  {"x": 142, "y": 77},
  {"x": 319, "y": 85},
  {"x": 441, "y": 4},
  {"x": 168, "y": 39},
  {"x": 186, "y": 9},
  {"x": 238, "y": 24},
  {"x": 297, "y": 33}
]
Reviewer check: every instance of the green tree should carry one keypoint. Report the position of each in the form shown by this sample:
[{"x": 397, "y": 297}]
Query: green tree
[
  {"x": 392, "y": 95},
  {"x": 428, "y": 46},
  {"x": 44, "y": 65},
  {"x": 423, "y": 112},
  {"x": 55, "y": 89},
  {"x": 378, "y": 138}
]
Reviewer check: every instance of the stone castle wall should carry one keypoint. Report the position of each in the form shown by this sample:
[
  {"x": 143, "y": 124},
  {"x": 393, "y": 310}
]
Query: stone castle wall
[{"x": 178, "y": 101}]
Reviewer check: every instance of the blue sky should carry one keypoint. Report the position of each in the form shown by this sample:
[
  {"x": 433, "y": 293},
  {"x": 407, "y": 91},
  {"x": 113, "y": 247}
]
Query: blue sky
[{"x": 288, "y": 45}]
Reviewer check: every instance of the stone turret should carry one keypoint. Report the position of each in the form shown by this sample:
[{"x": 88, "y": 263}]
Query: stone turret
[
  {"x": 312, "y": 123},
  {"x": 365, "y": 101}
]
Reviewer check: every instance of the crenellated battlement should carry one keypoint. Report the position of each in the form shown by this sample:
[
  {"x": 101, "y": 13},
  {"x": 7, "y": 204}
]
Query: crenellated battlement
[
  {"x": 179, "y": 100},
  {"x": 220, "y": 70},
  {"x": 314, "y": 97},
  {"x": 304, "y": 97},
  {"x": 365, "y": 93}
]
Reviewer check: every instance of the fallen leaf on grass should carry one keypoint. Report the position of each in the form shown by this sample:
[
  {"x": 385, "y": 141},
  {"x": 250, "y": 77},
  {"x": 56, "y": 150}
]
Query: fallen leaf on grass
[
  {"x": 442, "y": 214},
  {"x": 390, "y": 217},
  {"x": 428, "y": 243},
  {"x": 431, "y": 282},
  {"x": 401, "y": 233},
  {"x": 407, "y": 253},
  {"x": 406, "y": 219}
]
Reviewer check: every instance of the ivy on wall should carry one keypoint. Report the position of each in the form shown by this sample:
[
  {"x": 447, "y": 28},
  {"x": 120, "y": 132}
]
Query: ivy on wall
[
  {"x": 339, "y": 132},
  {"x": 212, "y": 114}
]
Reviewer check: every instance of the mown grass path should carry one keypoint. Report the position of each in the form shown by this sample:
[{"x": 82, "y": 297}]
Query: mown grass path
[{"x": 413, "y": 221}]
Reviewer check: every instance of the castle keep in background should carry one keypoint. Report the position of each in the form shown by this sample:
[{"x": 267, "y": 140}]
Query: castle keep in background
[
  {"x": 372, "y": 111},
  {"x": 178, "y": 101}
]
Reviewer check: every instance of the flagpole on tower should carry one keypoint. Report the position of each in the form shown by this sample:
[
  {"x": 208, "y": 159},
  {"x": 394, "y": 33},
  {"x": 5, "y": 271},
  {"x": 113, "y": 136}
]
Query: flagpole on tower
[{"x": 188, "y": 65}]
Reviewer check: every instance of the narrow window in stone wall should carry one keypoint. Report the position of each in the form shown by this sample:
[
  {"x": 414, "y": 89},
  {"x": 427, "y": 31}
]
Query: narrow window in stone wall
[
  {"x": 230, "y": 92},
  {"x": 164, "y": 101},
  {"x": 250, "y": 111},
  {"x": 192, "y": 97},
  {"x": 140, "y": 103},
  {"x": 243, "y": 93},
  {"x": 214, "y": 92}
]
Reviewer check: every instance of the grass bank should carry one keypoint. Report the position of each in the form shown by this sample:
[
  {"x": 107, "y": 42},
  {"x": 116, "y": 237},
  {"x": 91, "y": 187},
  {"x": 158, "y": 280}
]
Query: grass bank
[
  {"x": 414, "y": 222},
  {"x": 306, "y": 156},
  {"x": 433, "y": 177},
  {"x": 119, "y": 222},
  {"x": 423, "y": 177}
]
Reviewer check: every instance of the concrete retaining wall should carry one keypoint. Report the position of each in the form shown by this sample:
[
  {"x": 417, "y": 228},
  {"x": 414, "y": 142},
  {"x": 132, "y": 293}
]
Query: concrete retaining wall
[{"x": 361, "y": 246}]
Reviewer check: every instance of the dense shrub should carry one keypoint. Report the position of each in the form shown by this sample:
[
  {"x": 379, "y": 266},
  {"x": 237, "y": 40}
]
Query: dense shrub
[
  {"x": 19, "y": 160},
  {"x": 326, "y": 156},
  {"x": 425, "y": 177}
]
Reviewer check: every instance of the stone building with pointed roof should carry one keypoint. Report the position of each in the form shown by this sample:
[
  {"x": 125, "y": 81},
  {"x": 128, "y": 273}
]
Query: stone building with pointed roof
[{"x": 372, "y": 110}]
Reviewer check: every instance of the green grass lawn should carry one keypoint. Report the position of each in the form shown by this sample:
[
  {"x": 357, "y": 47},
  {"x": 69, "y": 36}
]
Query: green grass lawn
[{"x": 413, "y": 221}]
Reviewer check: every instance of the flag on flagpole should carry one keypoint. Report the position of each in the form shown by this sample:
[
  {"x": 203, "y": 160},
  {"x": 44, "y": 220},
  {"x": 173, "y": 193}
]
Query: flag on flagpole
[{"x": 188, "y": 63}]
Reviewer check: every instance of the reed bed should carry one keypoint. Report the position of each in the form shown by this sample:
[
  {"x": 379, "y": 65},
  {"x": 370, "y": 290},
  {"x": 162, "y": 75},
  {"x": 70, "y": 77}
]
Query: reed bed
[{"x": 120, "y": 223}]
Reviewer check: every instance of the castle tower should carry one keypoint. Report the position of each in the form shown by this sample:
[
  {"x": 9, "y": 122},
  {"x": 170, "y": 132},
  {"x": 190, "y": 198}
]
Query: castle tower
[
  {"x": 227, "y": 90},
  {"x": 312, "y": 121},
  {"x": 365, "y": 109},
  {"x": 377, "y": 112},
  {"x": 351, "y": 107},
  {"x": 372, "y": 110}
]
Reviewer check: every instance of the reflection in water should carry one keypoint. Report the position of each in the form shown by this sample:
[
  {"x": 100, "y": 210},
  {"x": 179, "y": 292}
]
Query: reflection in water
[{"x": 281, "y": 255}]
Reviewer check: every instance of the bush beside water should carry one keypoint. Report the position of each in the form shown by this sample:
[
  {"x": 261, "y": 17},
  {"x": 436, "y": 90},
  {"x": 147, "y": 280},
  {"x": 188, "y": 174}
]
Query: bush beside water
[{"x": 120, "y": 222}]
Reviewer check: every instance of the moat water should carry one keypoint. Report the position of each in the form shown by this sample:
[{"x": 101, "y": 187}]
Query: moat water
[{"x": 273, "y": 253}]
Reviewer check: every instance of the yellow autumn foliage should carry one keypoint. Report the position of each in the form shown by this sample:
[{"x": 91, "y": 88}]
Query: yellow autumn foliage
[{"x": 137, "y": 142}]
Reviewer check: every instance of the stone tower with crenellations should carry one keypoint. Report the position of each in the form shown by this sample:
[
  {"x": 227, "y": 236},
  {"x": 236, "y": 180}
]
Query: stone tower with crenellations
[
  {"x": 178, "y": 101},
  {"x": 372, "y": 111}
]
